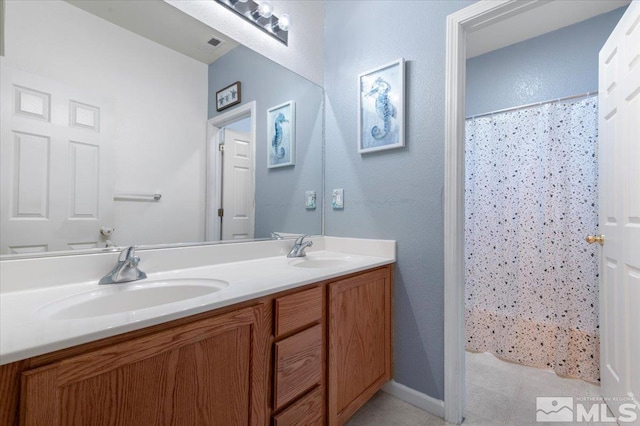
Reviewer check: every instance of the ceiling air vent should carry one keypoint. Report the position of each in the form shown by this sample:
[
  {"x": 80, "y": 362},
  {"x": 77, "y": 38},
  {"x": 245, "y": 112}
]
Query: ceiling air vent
[{"x": 214, "y": 42}]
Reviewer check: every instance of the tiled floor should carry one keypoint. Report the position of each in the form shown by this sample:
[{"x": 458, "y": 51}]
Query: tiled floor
[
  {"x": 498, "y": 393},
  {"x": 385, "y": 410}
]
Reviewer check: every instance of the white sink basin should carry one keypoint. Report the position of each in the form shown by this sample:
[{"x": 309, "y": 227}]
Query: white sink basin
[
  {"x": 126, "y": 297},
  {"x": 320, "y": 262}
]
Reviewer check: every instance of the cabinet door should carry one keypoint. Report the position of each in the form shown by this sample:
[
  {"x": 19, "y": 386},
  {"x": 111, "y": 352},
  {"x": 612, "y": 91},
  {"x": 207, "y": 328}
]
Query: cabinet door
[
  {"x": 359, "y": 341},
  {"x": 199, "y": 373}
]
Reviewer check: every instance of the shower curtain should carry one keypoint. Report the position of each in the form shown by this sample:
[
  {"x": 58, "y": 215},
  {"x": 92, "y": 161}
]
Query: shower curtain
[{"x": 530, "y": 200}]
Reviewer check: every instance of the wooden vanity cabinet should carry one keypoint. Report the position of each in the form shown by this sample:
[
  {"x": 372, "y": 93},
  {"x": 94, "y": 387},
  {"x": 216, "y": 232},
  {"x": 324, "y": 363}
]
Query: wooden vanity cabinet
[
  {"x": 360, "y": 341},
  {"x": 304, "y": 357},
  {"x": 202, "y": 373}
]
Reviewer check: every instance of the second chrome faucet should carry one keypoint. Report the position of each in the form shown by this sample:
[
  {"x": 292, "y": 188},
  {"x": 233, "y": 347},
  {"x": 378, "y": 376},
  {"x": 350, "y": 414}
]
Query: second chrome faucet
[{"x": 298, "y": 247}]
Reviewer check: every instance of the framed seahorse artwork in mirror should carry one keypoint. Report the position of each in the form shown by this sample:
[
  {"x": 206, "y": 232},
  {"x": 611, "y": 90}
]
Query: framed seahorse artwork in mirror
[
  {"x": 381, "y": 108},
  {"x": 281, "y": 135}
]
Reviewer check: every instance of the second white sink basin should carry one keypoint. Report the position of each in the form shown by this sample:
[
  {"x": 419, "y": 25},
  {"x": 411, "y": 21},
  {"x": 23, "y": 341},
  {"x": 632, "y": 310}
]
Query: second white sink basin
[{"x": 126, "y": 297}]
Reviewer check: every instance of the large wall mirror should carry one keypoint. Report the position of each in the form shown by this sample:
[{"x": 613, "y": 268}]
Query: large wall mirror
[{"x": 112, "y": 122}]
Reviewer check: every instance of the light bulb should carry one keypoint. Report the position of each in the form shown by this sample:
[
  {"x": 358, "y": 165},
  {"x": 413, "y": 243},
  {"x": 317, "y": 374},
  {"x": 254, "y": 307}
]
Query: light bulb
[
  {"x": 265, "y": 9},
  {"x": 284, "y": 22}
]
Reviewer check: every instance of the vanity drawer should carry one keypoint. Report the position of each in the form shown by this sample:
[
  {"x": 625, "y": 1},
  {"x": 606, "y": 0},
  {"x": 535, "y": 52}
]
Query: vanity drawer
[
  {"x": 298, "y": 310},
  {"x": 307, "y": 411},
  {"x": 298, "y": 365}
]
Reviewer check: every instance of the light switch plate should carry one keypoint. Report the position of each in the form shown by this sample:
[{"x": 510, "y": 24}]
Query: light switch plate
[
  {"x": 337, "y": 199},
  {"x": 310, "y": 200}
]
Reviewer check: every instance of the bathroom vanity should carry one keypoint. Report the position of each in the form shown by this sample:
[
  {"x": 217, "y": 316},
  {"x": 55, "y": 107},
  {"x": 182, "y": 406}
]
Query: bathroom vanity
[{"x": 293, "y": 342}]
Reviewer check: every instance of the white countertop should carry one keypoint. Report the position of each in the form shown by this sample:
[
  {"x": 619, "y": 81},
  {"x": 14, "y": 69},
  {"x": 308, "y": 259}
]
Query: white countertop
[{"x": 25, "y": 332}]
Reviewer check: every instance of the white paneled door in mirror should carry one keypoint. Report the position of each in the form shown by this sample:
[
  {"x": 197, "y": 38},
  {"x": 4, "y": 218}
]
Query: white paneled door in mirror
[
  {"x": 619, "y": 175},
  {"x": 56, "y": 165},
  {"x": 238, "y": 186}
]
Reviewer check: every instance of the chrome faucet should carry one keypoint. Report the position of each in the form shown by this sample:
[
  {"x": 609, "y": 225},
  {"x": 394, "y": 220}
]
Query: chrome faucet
[
  {"x": 298, "y": 247},
  {"x": 126, "y": 269}
]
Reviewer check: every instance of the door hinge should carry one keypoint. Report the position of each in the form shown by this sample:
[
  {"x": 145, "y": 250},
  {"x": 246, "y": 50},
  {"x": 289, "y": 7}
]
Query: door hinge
[
  {"x": 221, "y": 147},
  {"x": 220, "y": 212}
]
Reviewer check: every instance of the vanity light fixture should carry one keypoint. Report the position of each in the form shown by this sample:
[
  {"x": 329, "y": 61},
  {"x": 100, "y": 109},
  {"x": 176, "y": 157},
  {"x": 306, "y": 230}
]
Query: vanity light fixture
[
  {"x": 283, "y": 24},
  {"x": 260, "y": 14},
  {"x": 264, "y": 10}
]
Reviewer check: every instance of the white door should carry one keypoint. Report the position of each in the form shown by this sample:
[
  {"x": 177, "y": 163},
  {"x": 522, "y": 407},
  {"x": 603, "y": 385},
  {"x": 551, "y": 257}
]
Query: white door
[
  {"x": 619, "y": 182},
  {"x": 237, "y": 186},
  {"x": 56, "y": 165}
]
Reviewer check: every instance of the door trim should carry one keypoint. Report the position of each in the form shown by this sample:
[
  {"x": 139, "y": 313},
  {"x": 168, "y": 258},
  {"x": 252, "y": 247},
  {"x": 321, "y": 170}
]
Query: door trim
[
  {"x": 459, "y": 24},
  {"x": 213, "y": 194}
]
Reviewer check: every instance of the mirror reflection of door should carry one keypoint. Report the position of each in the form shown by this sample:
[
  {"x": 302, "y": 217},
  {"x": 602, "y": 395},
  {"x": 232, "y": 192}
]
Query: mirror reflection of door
[
  {"x": 237, "y": 209},
  {"x": 57, "y": 165}
]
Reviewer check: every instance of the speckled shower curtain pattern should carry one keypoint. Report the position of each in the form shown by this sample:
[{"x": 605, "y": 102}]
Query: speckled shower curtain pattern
[{"x": 531, "y": 197}]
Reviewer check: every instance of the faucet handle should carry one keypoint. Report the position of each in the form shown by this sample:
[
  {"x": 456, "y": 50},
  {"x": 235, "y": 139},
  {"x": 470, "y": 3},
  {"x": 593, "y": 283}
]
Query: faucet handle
[
  {"x": 299, "y": 240},
  {"x": 129, "y": 254}
]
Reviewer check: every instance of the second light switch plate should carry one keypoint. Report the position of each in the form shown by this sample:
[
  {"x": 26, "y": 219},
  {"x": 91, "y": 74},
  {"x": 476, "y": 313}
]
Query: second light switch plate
[
  {"x": 310, "y": 200},
  {"x": 337, "y": 199}
]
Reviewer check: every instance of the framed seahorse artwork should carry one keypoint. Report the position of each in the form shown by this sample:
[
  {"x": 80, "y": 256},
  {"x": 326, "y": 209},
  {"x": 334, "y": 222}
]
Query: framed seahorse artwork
[
  {"x": 381, "y": 108},
  {"x": 281, "y": 135}
]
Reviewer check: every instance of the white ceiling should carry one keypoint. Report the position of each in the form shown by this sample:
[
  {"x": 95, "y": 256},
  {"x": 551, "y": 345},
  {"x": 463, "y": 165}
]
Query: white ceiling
[
  {"x": 547, "y": 17},
  {"x": 162, "y": 23}
]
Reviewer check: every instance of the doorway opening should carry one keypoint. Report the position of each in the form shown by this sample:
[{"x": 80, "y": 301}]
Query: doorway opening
[
  {"x": 230, "y": 206},
  {"x": 482, "y": 15}
]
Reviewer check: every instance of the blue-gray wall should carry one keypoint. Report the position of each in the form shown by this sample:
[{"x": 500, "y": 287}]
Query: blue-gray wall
[
  {"x": 280, "y": 193},
  {"x": 394, "y": 194},
  {"x": 554, "y": 65}
]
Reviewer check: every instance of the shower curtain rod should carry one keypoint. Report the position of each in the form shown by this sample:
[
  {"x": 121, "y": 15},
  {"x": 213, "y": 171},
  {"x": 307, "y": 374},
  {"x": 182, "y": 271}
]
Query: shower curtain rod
[{"x": 583, "y": 95}]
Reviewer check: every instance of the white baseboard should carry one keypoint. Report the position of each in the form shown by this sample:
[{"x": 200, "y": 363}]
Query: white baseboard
[{"x": 413, "y": 397}]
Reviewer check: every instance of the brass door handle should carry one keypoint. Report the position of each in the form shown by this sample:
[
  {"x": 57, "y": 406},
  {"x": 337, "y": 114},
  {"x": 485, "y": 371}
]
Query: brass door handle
[{"x": 595, "y": 239}]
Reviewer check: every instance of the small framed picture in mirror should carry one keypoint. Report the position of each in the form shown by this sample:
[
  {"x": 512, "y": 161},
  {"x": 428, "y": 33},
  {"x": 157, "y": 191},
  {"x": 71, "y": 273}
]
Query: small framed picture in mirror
[
  {"x": 228, "y": 97},
  {"x": 281, "y": 135}
]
